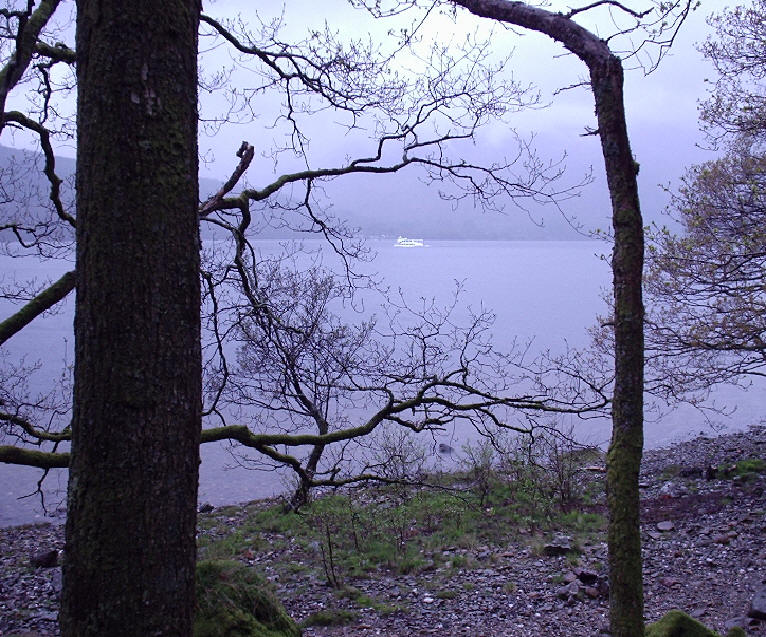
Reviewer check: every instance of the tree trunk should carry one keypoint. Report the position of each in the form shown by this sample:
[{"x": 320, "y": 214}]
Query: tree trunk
[
  {"x": 626, "y": 597},
  {"x": 130, "y": 547},
  {"x": 302, "y": 493},
  {"x": 624, "y": 458}
]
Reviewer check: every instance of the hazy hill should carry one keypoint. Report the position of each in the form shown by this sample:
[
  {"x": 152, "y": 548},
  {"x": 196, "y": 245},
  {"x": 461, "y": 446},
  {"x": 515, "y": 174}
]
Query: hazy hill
[{"x": 385, "y": 206}]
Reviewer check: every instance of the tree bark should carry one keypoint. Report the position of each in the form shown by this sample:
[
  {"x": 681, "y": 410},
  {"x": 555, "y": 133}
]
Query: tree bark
[
  {"x": 130, "y": 547},
  {"x": 626, "y": 604},
  {"x": 626, "y": 447}
]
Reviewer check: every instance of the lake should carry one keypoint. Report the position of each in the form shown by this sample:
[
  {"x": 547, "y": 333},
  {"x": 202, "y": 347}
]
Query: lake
[{"x": 547, "y": 291}]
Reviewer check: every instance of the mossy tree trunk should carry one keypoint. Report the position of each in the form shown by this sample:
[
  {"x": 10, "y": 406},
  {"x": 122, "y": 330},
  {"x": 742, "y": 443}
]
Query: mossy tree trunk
[
  {"x": 130, "y": 534},
  {"x": 626, "y": 603},
  {"x": 624, "y": 457}
]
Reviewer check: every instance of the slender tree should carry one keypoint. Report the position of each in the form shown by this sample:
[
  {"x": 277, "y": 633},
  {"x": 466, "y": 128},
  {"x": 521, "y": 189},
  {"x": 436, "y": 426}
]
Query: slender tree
[
  {"x": 130, "y": 533},
  {"x": 625, "y": 450}
]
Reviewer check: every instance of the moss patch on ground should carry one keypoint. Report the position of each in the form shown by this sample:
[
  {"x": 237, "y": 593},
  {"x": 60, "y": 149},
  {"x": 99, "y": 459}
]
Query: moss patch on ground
[
  {"x": 330, "y": 617},
  {"x": 234, "y": 601},
  {"x": 678, "y": 624}
]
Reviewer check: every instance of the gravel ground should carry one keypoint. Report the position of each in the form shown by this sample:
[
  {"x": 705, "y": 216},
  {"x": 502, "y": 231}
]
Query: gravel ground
[{"x": 704, "y": 552}]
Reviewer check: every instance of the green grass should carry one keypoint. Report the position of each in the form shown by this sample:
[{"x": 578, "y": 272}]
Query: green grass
[
  {"x": 585, "y": 523},
  {"x": 330, "y": 617},
  {"x": 747, "y": 468},
  {"x": 459, "y": 561},
  {"x": 230, "y": 545},
  {"x": 670, "y": 472},
  {"x": 395, "y": 529}
]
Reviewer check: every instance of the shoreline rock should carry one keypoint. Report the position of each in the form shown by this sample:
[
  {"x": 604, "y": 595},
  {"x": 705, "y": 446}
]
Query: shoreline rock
[{"x": 708, "y": 560}]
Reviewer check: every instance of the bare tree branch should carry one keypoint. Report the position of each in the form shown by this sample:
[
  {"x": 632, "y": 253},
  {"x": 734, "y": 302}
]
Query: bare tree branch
[
  {"x": 30, "y": 25},
  {"x": 612, "y": 3},
  {"x": 42, "y": 302},
  {"x": 50, "y": 161},
  {"x": 33, "y": 458}
]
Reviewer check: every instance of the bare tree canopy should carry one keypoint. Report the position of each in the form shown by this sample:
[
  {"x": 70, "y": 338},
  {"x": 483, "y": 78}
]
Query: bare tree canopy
[{"x": 410, "y": 120}]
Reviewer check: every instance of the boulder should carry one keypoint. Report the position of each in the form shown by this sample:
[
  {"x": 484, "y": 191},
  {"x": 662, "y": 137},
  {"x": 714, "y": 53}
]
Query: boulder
[
  {"x": 234, "y": 601},
  {"x": 555, "y": 550},
  {"x": 45, "y": 559},
  {"x": 738, "y": 622},
  {"x": 587, "y": 577},
  {"x": 569, "y": 592},
  {"x": 758, "y": 605},
  {"x": 560, "y": 546}
]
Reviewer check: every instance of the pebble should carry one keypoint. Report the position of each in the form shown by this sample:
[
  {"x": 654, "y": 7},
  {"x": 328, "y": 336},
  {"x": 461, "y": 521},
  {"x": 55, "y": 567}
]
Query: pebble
[{"x": 718, "y": 582}]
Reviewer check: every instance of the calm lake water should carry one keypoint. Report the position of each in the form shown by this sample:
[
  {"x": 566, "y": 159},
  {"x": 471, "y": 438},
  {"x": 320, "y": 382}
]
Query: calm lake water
[{"x": 546, "y": 291}]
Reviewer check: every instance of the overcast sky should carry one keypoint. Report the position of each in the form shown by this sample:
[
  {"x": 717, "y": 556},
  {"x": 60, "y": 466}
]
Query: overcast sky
[{"x": 661, "y": 108}]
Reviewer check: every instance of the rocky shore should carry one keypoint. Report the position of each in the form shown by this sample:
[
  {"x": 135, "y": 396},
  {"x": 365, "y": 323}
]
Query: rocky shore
[{"x": 704, "y": 523}]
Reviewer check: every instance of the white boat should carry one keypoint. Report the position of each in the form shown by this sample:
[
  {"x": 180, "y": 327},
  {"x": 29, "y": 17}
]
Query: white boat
[{"x": 404, "y": 242}]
